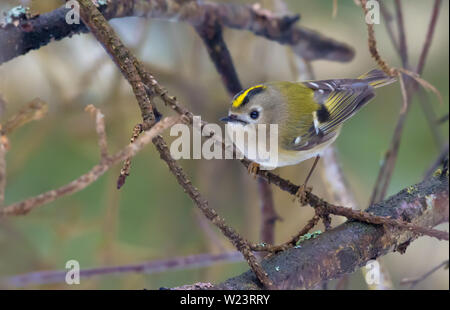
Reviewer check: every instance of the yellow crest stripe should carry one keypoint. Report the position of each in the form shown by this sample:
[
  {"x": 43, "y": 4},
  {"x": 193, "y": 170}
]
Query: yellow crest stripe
[{"x": 237, "y": 102}]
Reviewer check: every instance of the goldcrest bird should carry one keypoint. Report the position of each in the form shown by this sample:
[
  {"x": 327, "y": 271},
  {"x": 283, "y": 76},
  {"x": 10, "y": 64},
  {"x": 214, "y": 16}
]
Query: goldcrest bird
[{"x": 309, "y": 114}]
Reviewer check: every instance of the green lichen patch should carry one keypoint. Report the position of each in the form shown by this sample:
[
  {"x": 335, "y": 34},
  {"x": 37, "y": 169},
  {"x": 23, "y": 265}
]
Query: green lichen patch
[
  {"x": 308, "y": 236},
  {"x": 411, "y": 190},
  {"x": 16, "y": 13}
]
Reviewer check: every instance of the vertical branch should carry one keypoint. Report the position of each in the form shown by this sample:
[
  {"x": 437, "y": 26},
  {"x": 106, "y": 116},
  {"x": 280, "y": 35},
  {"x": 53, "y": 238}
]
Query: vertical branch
[
  {"x": 429, "y": 36},
  {"x": 268, "y": 214},
  {"x": 403, "y": 50},
  {"x": 212, "y": 36},
  {"x": 427, "y": 108},
  {"x": 388, "y": 23}
]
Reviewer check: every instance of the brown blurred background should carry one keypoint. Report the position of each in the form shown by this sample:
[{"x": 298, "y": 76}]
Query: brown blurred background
[{"x": 151, "y": 218}]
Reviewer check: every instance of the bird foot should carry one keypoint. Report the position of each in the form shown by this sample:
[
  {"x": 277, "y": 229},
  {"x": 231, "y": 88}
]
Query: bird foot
[{"x": 253, "y": 169}]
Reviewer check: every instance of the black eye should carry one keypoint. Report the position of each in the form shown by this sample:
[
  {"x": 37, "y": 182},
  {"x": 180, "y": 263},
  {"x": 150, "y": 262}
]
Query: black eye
[{"x": 254, "y": 114}]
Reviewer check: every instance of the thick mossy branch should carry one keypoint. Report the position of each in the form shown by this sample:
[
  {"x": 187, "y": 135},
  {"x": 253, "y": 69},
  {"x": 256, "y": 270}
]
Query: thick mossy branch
[
  {"x": 34, "y": 32},
  {"x": 351, "y": 245}
]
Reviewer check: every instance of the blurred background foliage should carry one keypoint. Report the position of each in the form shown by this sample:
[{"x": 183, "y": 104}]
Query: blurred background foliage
[{"x": 151, "y": 218}]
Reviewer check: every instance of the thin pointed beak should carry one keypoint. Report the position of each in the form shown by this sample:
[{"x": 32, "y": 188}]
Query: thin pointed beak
[{"x": 232, "y": 119}]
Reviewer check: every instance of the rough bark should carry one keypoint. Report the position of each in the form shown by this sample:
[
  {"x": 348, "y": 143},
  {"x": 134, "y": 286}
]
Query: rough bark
[{"x": 351, "y": 245}]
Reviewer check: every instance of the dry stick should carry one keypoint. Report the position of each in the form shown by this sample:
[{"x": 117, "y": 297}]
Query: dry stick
[
  {"x": 150, "y": 267},
  {"x": 23, "y": 207},
  {"x": 34, "y": 110},
  {"x": 37, "y": 32},
  {"x": 211, "y": 34},
  {"x": 129, "y": 65}
]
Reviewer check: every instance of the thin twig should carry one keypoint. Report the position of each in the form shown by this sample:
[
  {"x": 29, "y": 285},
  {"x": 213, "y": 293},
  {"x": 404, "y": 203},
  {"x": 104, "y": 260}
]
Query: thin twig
[
  {"x": 403, "y": 50},
  {"x": 150, "y": 267},
  {"x": 134, "y": 71},
  {"x": 23, "y": 207},
  {"x": 2, "y": 171},
  {"x": 34, "y": 110},
  {"x": 429, "y": 36}
]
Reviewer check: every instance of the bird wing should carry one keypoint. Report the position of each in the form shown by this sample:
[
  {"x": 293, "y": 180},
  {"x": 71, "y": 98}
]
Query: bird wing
[{"x": 337, "y": 101}]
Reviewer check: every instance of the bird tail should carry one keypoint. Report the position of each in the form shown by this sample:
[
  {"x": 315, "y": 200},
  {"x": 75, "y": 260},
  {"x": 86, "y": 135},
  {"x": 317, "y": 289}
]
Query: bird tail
[{"x": 377, "y": 78}]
